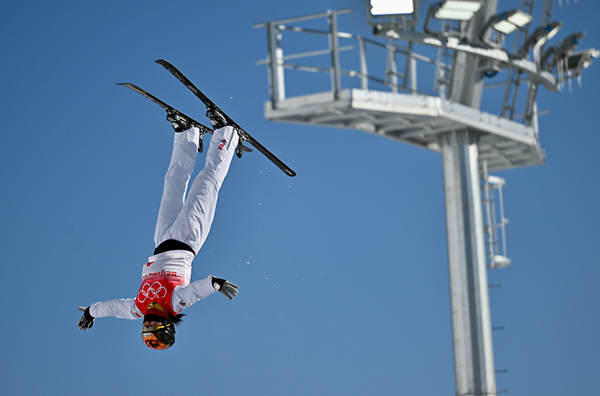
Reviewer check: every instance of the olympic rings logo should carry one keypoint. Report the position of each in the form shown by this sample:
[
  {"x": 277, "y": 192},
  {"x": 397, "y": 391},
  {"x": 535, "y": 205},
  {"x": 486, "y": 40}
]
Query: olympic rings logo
[{"x": 156, "y": 290}]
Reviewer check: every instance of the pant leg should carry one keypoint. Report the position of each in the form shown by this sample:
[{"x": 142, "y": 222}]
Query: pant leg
[
  {"x": 183, "y": 160},
  {"x": 195, "y": 219}
]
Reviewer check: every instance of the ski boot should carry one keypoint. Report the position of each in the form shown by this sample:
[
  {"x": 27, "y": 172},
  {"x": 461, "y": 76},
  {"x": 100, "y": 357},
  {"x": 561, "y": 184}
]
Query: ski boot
[
  {"x": 179, "y": 123},
  {"x": 218, "y": 120}
]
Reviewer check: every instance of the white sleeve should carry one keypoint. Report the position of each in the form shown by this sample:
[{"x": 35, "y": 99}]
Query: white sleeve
[
  {"x": 123, "y": 308},
  {"x": 186, "y": 296}
]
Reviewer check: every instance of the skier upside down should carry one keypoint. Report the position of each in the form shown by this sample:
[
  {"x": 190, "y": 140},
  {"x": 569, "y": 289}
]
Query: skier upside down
[{"x": 181, "y": 229}]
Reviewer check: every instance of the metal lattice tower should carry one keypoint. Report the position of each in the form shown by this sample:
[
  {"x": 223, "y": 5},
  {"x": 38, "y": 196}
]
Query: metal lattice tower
[{"x": 445, "y": 118}]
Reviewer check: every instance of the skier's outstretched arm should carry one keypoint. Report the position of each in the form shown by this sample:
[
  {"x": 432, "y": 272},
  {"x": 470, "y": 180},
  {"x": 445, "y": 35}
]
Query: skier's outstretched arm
[
  {"x": 123, "y": 308},
  {"x": 187, "y": 296}
]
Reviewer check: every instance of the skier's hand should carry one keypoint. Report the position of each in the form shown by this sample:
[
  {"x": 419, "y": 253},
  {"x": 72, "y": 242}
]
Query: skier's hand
[
  {"x": 226, "y": 288},
  {"x": 87, "y": 320}
]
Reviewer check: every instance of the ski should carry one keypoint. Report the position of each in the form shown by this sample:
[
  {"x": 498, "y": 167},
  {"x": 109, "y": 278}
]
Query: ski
[
  {"x": 170, "y": 109},
  {"x": 210, "y": 105}
]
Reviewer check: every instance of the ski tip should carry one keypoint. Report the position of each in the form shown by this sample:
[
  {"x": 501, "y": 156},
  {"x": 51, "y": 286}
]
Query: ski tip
[{"x": 132, "y": 86}]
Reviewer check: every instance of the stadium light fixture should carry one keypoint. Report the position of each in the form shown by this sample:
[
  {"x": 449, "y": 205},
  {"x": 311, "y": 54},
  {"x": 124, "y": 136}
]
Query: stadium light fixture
[
  {"x": 388, "y": 17},
  {"x": 560, "y": 51},
  {"x": 539, "y": 37},
  {"x": 505, "y": 23},
  {"x": 391, "y": 7},
  {"x": 454, "y": 10},
  {"x": 581, "y": 60},
  {"x": 509, "y": 21}
]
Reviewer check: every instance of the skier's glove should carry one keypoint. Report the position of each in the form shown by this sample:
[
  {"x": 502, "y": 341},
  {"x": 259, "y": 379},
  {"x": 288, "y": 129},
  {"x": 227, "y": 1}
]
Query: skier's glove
[
  {"x": 226, "y": 288},
  {"x": 87, "y": 320}
]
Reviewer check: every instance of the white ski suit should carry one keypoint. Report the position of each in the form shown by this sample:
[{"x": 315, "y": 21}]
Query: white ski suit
[{"x": 167, "y": 275}]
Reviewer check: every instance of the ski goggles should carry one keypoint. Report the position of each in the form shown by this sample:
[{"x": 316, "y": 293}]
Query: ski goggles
[{"x": 152, "y": 329}]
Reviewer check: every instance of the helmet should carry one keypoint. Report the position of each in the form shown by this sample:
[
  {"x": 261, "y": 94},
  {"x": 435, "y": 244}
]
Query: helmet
[{"x": 161, "y": 337}]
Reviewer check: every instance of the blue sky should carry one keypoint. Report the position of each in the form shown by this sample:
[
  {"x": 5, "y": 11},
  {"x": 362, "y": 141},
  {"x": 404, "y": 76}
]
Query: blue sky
[{"x": 342, "y": 270}]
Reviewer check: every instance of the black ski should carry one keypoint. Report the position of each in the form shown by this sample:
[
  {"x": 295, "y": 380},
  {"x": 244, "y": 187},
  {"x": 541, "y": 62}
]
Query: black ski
[
  {"x": 170, "y": 109},
  {"x": 210, "y": 105}
]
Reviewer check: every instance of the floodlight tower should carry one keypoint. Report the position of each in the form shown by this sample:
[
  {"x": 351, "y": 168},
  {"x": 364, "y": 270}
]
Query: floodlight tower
[
  {"x": 471, "y": 320},
  {"x": 469, "y": 47}
]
